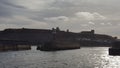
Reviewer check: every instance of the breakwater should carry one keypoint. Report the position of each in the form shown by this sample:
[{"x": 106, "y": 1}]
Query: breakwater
[
  {"x": 59, "y": 45},
  {"x": 14, "y": 47}
]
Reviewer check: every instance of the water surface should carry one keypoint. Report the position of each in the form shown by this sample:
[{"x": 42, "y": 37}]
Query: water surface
[{"x": 92, "y": 57}]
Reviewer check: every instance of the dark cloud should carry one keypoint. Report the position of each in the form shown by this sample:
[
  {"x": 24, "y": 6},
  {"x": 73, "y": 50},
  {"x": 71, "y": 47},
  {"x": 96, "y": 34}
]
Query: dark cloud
[
  {"x": 8, "y": 3},
  {"x": 7, "y": 8},
  {"x": 4, "y": 11}
]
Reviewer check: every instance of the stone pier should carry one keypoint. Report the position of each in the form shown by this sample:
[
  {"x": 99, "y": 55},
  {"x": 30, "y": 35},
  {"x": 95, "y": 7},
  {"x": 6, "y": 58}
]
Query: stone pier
[{"x": 14, "y": 47}]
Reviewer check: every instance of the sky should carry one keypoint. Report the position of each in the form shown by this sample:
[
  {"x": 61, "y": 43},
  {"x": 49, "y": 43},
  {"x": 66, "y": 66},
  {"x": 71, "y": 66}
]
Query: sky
[{"x": 76, "y": 15}]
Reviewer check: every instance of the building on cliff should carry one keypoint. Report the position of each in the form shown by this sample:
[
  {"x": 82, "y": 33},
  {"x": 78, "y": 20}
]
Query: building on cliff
[{"x": 88, "y": 32}]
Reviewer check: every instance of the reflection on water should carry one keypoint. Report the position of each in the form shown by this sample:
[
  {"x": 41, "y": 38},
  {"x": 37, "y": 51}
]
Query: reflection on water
[{"x": 96, "y": 57}]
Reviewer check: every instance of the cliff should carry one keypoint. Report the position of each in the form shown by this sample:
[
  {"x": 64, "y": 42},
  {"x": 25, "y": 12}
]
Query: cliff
[
  {"x": 30, "y": 35},
  {"x": 41, "y": 36}
]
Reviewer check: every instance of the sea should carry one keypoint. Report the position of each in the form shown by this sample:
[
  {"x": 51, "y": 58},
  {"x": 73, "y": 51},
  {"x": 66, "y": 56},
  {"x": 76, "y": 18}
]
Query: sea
[{"x": 85, "y": 57}]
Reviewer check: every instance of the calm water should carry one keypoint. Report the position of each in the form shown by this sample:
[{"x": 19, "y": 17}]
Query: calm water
[{"x": 96, "y": 57}]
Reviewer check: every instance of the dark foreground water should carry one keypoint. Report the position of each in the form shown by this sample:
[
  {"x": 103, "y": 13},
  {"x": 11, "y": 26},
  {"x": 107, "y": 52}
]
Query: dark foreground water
[{"x": 96, "y": 57}]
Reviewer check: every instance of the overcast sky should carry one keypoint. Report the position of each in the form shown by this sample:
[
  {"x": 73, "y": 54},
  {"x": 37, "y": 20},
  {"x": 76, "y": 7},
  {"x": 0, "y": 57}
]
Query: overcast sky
[{"x": 76, "y": 15}]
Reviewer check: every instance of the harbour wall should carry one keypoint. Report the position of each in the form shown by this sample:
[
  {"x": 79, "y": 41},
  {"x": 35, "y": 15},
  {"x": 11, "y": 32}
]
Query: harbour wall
[{"x": 14, "y": 47}]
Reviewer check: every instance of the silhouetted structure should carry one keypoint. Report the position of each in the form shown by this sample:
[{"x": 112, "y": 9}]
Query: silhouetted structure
[
  {"x": 88, "y": 32},
  {"x": 115, "y": 49},
  {"x": 54, "y": 36}
]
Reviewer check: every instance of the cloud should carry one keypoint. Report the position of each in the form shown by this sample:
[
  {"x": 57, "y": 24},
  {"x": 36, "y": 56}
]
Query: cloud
[
  {"x": 8, "y": 3},
  {"x": 28, "y": 21},
  {"x": 59, "y": 18},
  {"x": 102, "y": 23},
  {"x": 84, "y": 25},
  {"x": 90, "y": 16},
  {"x": 109, "y": 23},
  {"x": 3, "y": 26},
  {"x": 35, "y": 5},
  {"x": 21, "y": 21},
  {"x": 92, "y": 23}
]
